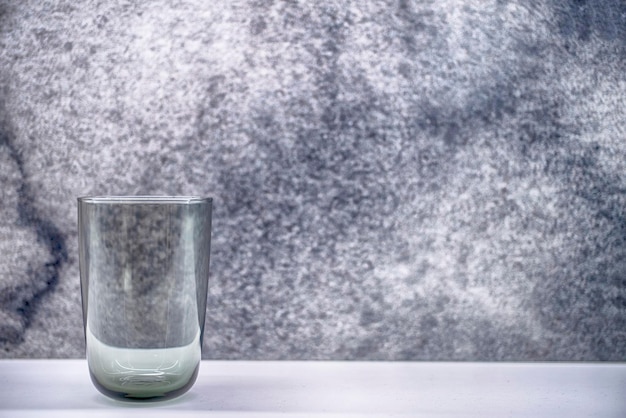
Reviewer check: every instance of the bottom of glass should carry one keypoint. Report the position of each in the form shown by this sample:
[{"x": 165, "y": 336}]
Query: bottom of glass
[
  {"x": 142, "y": 373},
  {"x": 154, "y": 391}
]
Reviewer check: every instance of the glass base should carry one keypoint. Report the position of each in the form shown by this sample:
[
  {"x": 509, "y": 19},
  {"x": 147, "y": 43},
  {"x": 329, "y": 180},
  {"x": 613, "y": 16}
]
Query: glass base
[
  {"x": 140, "y": 373},
  {"x": 150, "y": 393}
]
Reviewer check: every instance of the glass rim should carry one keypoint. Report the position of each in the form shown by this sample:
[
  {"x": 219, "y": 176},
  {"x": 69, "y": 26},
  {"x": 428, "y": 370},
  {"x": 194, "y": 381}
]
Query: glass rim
[{"x": 144, "y": 199}]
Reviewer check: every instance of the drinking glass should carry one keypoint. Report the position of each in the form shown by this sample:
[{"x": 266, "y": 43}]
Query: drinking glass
[{"x": 144, "y": 266}]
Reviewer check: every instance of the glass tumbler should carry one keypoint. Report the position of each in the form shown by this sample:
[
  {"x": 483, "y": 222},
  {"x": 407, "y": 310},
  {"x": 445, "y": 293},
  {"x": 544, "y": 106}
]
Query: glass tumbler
[{"x": 144, "y": 266}]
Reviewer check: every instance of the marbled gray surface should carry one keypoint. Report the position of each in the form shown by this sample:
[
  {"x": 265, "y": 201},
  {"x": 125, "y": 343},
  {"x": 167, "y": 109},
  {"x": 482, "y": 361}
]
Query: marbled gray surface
[{"x": 414, "y": 180}]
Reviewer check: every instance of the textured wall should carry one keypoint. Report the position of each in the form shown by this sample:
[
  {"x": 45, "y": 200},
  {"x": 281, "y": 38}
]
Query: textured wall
[{"x": 392, "y": 179}]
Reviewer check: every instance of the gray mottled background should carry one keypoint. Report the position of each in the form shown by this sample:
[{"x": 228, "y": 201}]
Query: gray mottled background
[{"x": 403, "y": 180}]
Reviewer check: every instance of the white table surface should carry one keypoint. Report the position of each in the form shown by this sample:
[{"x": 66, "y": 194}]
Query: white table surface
[{"x": 62, "y": 388}]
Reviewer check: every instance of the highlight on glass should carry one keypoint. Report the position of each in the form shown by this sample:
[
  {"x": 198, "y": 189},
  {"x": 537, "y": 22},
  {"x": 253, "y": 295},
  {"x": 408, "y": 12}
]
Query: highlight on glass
[{"x": 144, "y": 268}]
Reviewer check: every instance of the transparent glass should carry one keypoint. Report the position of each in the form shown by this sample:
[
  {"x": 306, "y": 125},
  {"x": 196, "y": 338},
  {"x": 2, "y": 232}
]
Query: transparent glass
[{"x": 144, "y": 267}]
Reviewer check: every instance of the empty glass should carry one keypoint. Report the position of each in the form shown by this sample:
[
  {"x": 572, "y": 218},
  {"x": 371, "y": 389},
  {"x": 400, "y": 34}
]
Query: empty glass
[{"x": 144, "y": 266}]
